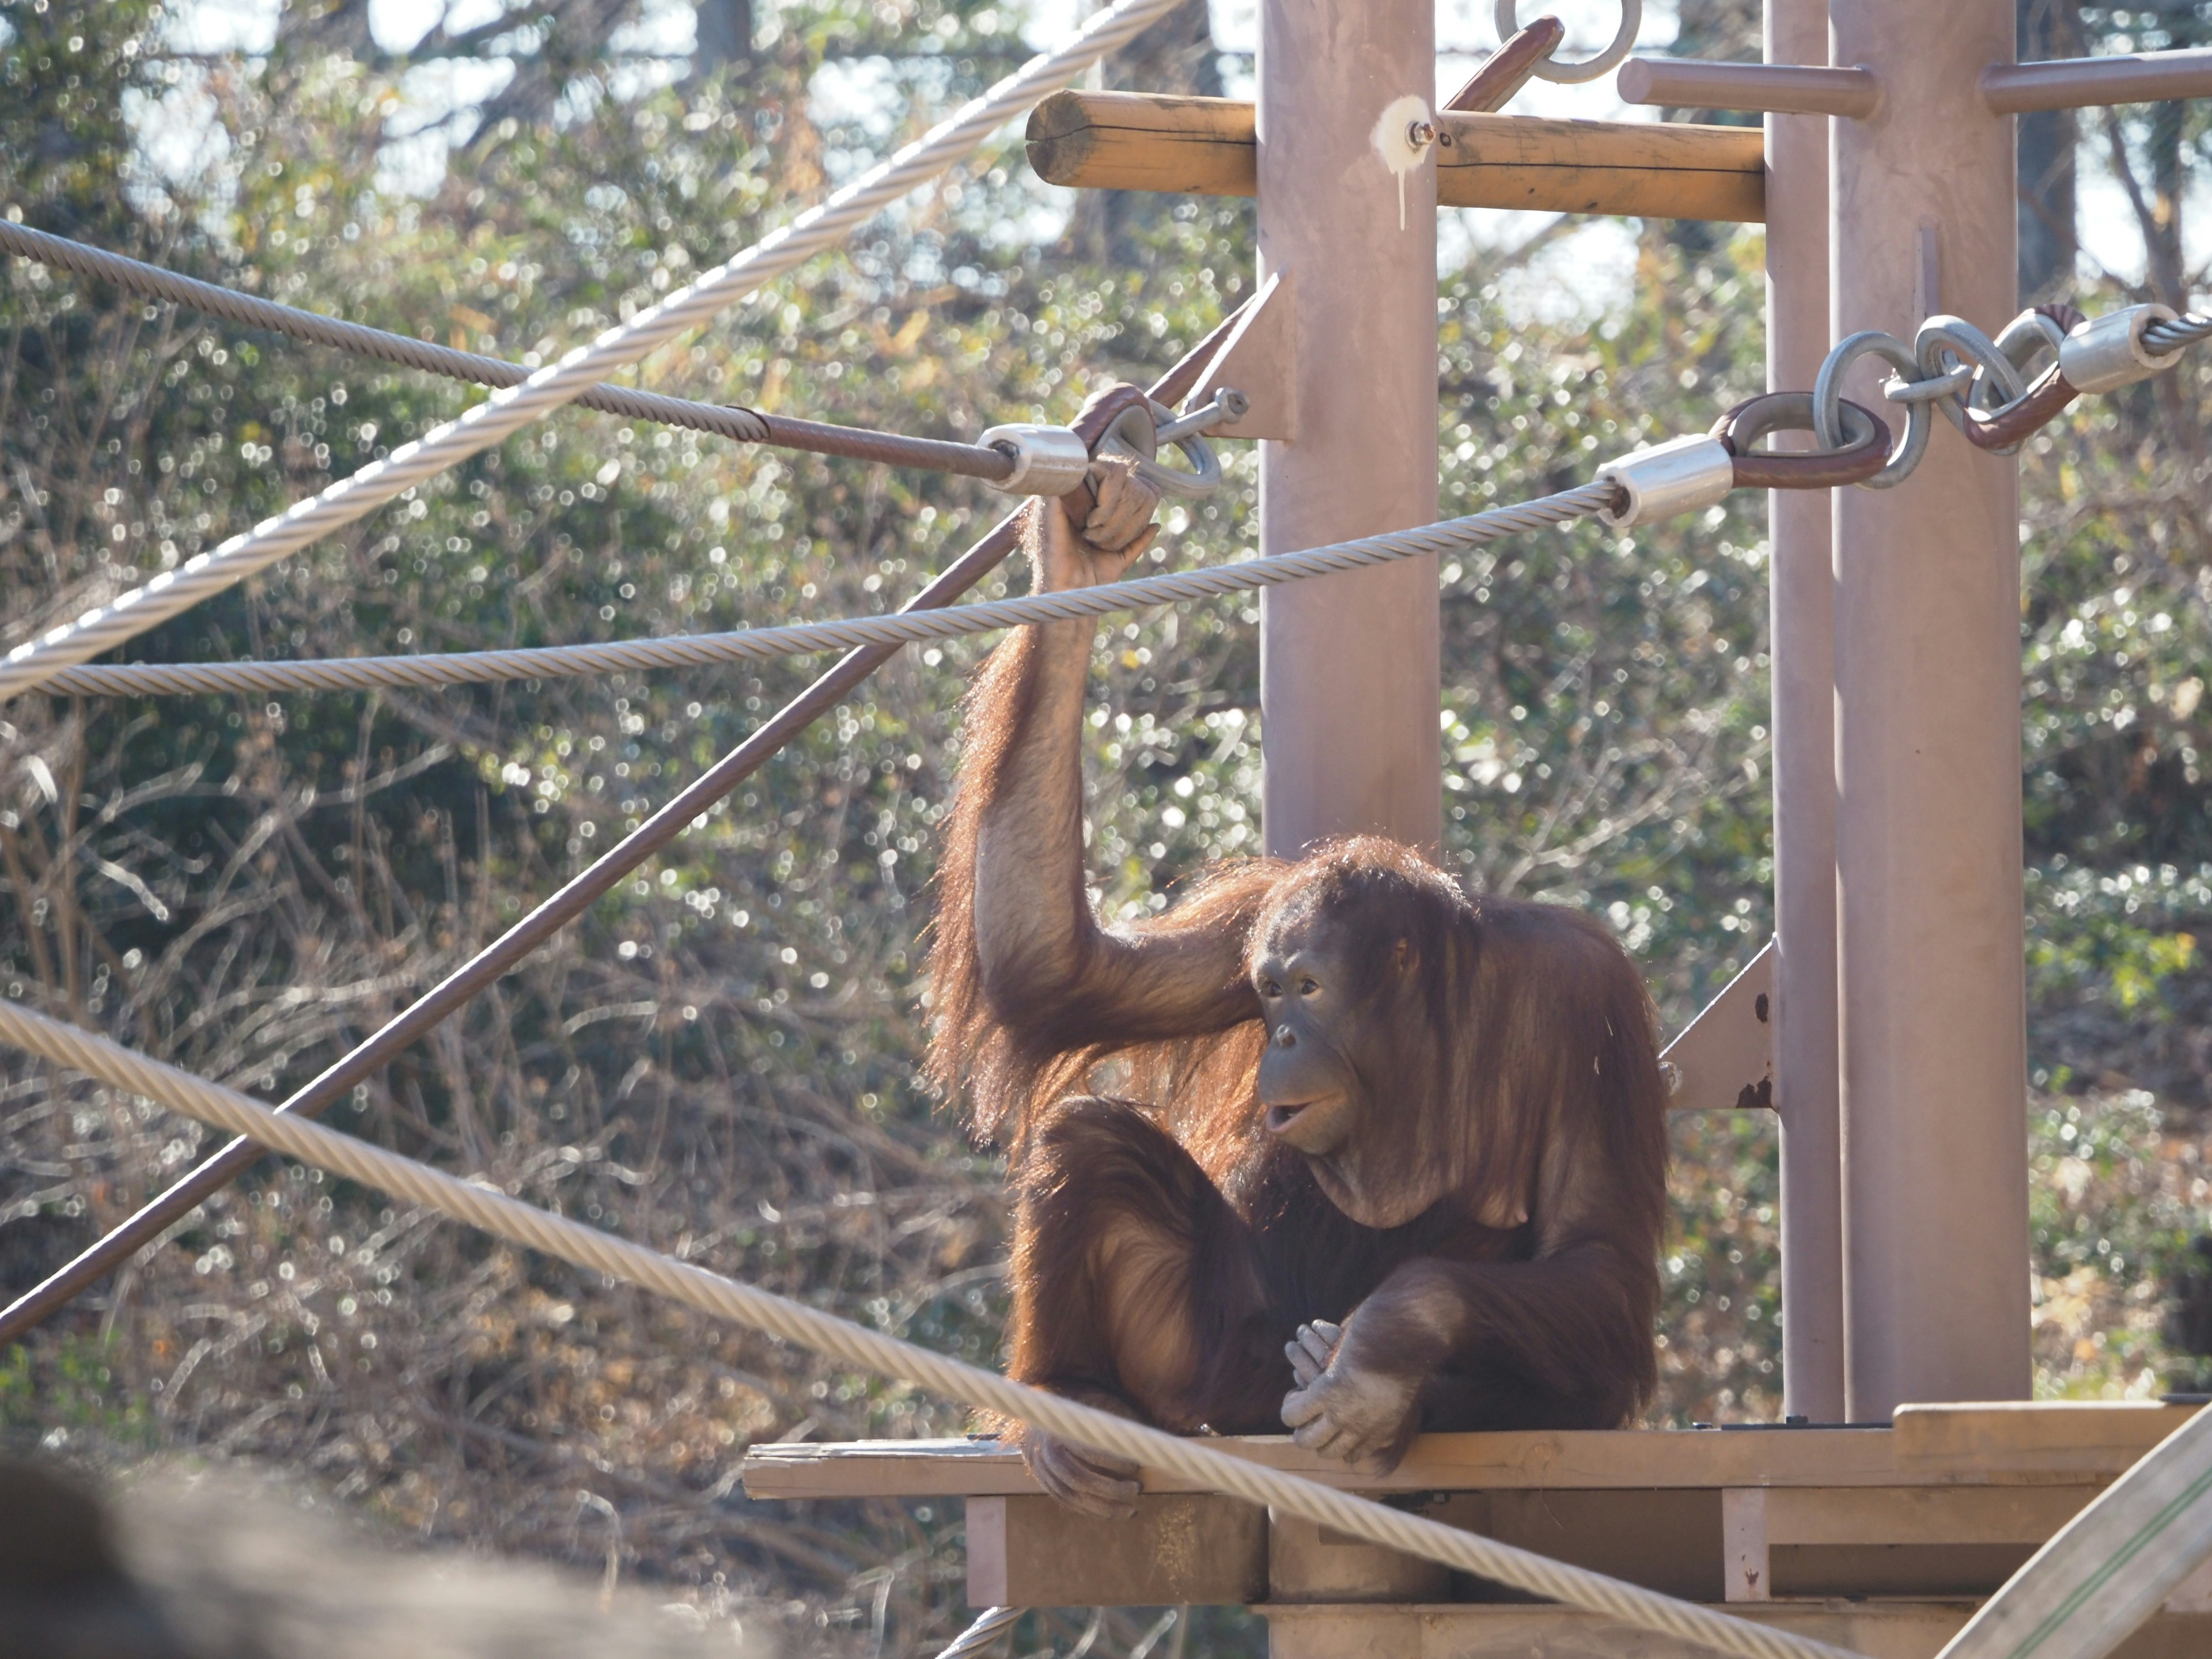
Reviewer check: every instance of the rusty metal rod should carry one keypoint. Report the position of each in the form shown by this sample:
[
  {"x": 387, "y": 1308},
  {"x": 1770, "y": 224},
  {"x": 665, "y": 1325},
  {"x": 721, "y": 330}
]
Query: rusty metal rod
[
  {"x": 1506, "y": 70},
  {"x": 730, "y": 421},
  {"x": 2138, "y": 77},
  {"x": 1775, "y": 88},
  {"x": 452, "y": 994}
]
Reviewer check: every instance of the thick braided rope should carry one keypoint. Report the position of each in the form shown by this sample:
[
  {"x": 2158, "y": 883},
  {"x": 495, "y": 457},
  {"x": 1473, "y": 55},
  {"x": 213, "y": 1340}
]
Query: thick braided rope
[
  {"x": 583, "y": 1247},
  {"x": 909, "y": 628},
  {"x": 817, "y": 229},
  {"x": 2186, "y": 329}
]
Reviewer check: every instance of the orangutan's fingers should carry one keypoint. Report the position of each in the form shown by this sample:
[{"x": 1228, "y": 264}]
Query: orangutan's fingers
[
  {"x": 1300, "y": 1407},
  {"x": 1321, "y": 1436},
  {"x": 1124, "y": 508},
  {"x": 1089, "y": 1482},
  {"x": 1309, "y": 1352}
]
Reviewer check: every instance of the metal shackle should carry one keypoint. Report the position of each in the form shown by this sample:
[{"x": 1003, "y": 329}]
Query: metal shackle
[
  {"x": 1507, "y": 14},
  {"x": 1048, "y": 461},
  {"x": 1683, "y": 475},
  {"x": 2107, "y": 352},
  {"x": 1135, "y": 433}
]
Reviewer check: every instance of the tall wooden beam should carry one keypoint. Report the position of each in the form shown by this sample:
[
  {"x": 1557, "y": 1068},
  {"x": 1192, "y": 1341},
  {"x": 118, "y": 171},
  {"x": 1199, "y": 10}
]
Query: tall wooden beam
[
  {"x": 1928, "y": 671},
  {"x": 1348, "y": 665},
  {"x": 1209, "y": 147}
]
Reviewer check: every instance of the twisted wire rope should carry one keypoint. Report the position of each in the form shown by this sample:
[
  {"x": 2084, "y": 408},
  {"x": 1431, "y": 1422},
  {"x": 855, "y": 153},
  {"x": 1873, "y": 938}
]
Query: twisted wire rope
[
  {"x": 734, "y": 422},
  {"x": 814, "y": 231},
  {"x": 990, "y": 1626},
  {"x": 2186, "y": 329},
  {"x": 907, "y": 628},
  {"x": 508, "y": 1217}
]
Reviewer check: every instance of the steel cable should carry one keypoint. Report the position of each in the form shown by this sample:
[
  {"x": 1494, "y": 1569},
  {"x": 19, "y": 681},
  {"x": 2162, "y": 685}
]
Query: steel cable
[
  {"x": 508, "y": 1217},
  {"x": 758, "y": 644},
  {"x": 734, "y": 422},
  {"x": 814, "y": 231},
  {"x": 2184, "y": 330}
]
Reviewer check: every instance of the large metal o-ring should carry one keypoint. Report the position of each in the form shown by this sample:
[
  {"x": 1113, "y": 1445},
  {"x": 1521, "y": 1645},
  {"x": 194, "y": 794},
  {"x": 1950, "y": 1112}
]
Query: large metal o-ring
[
  {"x": 2000, "y": 382},
  {"x": 1631, "y": 24},
  {"x": 1828, "y": 397},
  {"x": 1863, "y": 454},
  {"x": 1134, "y": 433}
]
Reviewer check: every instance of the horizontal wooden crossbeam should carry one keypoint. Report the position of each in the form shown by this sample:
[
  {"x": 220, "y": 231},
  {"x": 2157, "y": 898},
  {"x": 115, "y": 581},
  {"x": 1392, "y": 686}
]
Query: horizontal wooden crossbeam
[{"x": 1209, "y": 147}]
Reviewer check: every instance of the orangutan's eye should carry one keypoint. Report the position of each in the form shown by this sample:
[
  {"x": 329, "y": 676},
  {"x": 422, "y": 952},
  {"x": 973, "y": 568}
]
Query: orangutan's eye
[
  {"x": 1269, "y": 988},
  {"x": 1308, "y": 986}
]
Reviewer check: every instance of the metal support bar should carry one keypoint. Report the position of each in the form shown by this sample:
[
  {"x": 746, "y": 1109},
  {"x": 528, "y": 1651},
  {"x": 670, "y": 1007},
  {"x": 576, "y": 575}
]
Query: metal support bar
[
  {"x": 2140, "y": 77},
  {"x": 1928, "y": 706},
  {"x": 1348, "y": 665},
  {"x": 1775, "y": 88}
]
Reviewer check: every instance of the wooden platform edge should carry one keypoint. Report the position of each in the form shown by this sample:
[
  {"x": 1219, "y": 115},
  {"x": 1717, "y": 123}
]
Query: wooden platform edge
[{"x": 2002, "y": 1444}]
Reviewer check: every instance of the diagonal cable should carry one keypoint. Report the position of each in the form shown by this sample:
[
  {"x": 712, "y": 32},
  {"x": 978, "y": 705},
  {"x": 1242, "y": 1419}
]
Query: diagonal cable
[
  {"x": 732, "y": 421},
  {"x": 817, "y": 229},
  {"x": 758, "y": 644}
]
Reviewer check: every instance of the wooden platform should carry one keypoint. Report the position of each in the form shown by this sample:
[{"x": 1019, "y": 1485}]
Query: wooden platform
[{"x": 1881, "y": 1539}]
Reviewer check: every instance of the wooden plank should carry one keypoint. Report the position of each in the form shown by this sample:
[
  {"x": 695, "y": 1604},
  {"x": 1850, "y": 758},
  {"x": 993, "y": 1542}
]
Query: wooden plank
[
  {"x": 1644, "y": 169},
  {"x": 1209, "y": 147},
  {"x": 2095, "y": 1437},
  {"x": 1037, "y": 1552},
  {"x": 1583, "y": 1459},
  {"x": 1140, "y": 141},
  {"x": 1878, "y": 1629},
  {"x": 1921, "y": 1514},
  {"x": 1910, "y": 1631},
  {"x": 2062, "y": 1444}
]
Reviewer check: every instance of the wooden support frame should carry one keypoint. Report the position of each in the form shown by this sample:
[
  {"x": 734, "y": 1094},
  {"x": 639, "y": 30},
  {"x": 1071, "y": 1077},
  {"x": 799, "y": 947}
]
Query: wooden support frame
[{"x": 1209, "y": 147}]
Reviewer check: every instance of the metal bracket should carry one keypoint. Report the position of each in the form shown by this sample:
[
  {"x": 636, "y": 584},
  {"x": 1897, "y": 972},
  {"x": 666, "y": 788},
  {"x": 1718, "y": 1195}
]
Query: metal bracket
[
  {"x": 1723, "y": 1060},
  {"x": 1259, "y": 360}
]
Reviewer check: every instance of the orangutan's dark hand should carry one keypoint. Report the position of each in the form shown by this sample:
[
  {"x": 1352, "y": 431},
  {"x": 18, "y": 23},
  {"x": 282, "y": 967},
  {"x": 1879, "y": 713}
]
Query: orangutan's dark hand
[
  {"x": 1342, "y": 1409},
  {"x": 1117, "y": 530},
  {"x": 1088, "y": 1482}
]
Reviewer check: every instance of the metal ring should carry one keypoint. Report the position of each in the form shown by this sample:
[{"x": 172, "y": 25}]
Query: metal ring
[
  {"x": 1548, "y": 69},
  {"x": 1863, "y": 454},
  {"x": 1963, "y": 341},
  {"x": 1828, "y": 397},
  {"x": 1134, "y": 432},
  {"x": 2027, "y": 335}
]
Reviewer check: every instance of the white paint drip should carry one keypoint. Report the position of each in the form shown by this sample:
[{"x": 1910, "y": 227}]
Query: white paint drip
[{"x": 1395, "y": 144}]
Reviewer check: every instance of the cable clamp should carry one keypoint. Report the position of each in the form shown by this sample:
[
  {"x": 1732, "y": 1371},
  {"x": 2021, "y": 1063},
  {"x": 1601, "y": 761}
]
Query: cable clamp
[
  {"x": 1683, "y": 475},
  {"x": 2107, "y": 352},
  {"x": 1048, "y": 461}
]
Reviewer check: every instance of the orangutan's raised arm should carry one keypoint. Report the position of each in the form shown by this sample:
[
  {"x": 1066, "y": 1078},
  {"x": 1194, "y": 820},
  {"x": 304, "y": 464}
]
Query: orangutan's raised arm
[{"x": 1016, "y": 946}]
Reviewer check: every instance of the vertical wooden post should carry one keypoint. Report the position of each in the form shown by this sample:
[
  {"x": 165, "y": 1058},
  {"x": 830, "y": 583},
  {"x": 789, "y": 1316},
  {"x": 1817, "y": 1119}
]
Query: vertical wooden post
[
  {"x": 1348, "y": 668},
  {"x": 1928, "y": 747},
  {"x": 1802, "y": 632}
]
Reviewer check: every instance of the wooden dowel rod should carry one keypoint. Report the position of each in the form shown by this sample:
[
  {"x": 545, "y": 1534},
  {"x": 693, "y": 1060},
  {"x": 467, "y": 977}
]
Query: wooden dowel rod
[
  {"x": 1773, "y": 88},
  {"x": 1643, "y": 169},
  {"x": 1207, "y": 147},
  {"x": 2141, "y": 77}
]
